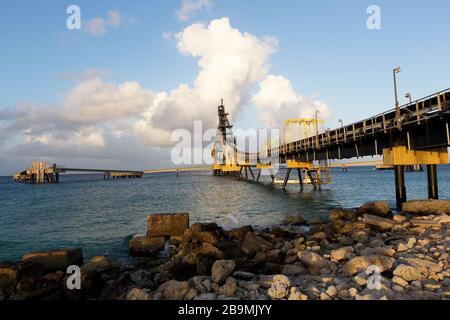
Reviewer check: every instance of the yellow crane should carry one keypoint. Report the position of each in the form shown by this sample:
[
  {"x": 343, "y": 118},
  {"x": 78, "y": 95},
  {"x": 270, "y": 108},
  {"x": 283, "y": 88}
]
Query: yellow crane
[{"x": 306, "y": 127}]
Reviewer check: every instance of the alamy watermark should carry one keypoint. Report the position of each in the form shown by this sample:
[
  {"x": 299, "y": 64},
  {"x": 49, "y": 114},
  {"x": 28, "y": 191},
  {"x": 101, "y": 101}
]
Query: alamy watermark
[
  {"x": 73, "y": 21},
  {"x": 374, "y": 19},
  {"x": 374, "y": 280},
  {"x": 74, "y": 279}
]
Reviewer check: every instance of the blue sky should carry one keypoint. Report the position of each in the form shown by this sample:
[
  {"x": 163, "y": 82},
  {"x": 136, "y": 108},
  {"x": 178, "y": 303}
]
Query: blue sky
[{"x": 324, "y": 49}]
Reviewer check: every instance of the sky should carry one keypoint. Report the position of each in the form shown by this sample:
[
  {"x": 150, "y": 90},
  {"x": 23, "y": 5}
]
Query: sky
[{"x": 111, "y": 93}]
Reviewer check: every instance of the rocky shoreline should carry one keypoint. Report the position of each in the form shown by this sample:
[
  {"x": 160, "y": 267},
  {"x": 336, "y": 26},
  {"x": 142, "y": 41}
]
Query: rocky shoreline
[{"x": 363, "y": 254}]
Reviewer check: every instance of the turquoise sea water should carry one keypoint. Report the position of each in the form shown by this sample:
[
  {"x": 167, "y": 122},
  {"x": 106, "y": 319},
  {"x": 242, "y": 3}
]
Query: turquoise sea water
[{"x": 98, "y": 216}]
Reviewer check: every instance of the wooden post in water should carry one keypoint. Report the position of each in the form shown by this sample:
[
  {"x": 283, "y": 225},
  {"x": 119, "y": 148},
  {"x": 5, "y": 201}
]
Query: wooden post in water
[
  {"x": 259, "y": 175},
  {"x": 400, "y": 189},
  {"x": 300, "y": 178},
  {"x": 286, "y": 178},
  {"x": 313, "y": 182},
  {"x": 433, "y": 192},
  {"x": 251, "y": 172}
]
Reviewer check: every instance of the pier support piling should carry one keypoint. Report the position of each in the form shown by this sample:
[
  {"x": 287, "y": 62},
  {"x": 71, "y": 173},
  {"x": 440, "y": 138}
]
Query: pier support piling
[
  {"x": 251, "y": 173},
  {"x": 272, "y": 176},
  {"x": 286, "y": 179},
  {"x": 433, "y": 192},
  {"x": 400, "y": 188},
  {"x": 311, "y": 178},
  {"x": 319, "y": 179},
  {"x": 259, "y": 175},
  {"x": 300, "y": 179}
]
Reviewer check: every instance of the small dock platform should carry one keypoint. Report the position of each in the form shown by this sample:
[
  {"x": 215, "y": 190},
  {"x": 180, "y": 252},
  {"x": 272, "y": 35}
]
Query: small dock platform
[{"x": 39, "y": 172}]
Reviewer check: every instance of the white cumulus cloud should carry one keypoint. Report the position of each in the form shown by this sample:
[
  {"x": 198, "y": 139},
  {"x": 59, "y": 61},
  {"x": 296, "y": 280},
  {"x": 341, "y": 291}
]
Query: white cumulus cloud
[
  {"x": 230, "y": 64},
  {"x": 99, "y": 119},
  {"x": 99, "y": 26},
  {"x": 190, "y": 7},
  {"x": 277, "y": 101},
  {"x": 94, "y": 101}
]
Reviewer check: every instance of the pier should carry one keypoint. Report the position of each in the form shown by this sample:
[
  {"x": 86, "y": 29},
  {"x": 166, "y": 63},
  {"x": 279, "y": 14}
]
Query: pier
[
  {"x": 178, "y": 170},
  {"x": 408, "y": 138},
  {"x": 411, "y": 136},
  {"x": 40, "y": 173}
]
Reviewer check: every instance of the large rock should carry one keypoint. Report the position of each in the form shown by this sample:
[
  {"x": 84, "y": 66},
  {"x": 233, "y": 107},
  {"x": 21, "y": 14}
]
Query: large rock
[
  {"x": 294, "y": 219},
  {"x": 9, "y": 276},
  {"x": 142, "y": 246},
  {"x": 293, "y": 270},
  {"x": 229, "y": 288},
  {"x": 265, "y": 281},
  {"x": 425, "y": 267},
  {"x": 425, "y": 223},
  {"x": 173, "y": 289},
  {"x": 427, "y": 207},
  {"x": 296, "y": 294},
  {"x": 342, "y": 227},
  {"x": 379, "y": 223},
  {"x": 204, "y": 265},
  {"x": 339, "y": 254},
  {"x": 209, "y": 251},
  {"x": 39, "y": 288},
  {"x": 382, "y": 251},
  {"x": 167, "y": 224},
  {"x": 313, "y": 260},
  {"x": 253, "y": 243},
  {"x": 101, "y": 264},
  {"x": 202, "y": 236},
  {"x": 279, "y": 232},
  {"x": 408, "y": 273},
  {"x": 443, "y": 219},
  {"x": 361, "y": 236},
  {"x": 207, "y": 296},
  {"x": 340, "y": 214},
  {"x": 359, "y": 264},
  {"x": 192, "y": 259},
  {"x": 280, "y": 287},
  {"x": 138, "y": 294},
  {"x": 318, "y": 236},
  {"x": 275, "y": 255},
  {"x": 221, "y": 269},
  {"x": 54, "y": 260},
  {"x": 242, "y": 275},
  {"x": 377, "y": 208},
  {"x": 204, "y": 227},
  {"x": 142, "y": 278},
  {"x": 240, "y": 233}
]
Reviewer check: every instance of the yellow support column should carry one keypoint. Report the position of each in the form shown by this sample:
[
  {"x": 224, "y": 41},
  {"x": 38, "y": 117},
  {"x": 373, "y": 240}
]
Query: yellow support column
[{"x": 400, "y": 156}]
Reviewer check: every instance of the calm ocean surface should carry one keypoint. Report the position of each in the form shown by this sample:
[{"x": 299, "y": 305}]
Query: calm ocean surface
[{"x": 99, "y": 216}]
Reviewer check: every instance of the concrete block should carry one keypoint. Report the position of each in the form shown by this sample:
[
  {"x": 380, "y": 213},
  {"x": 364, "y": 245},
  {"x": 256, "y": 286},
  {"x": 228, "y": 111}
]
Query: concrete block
[
  {"x": 167, "y": 224},
  {"x": 142, "y": 246},
  {"x": 54, "y": 260}
]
